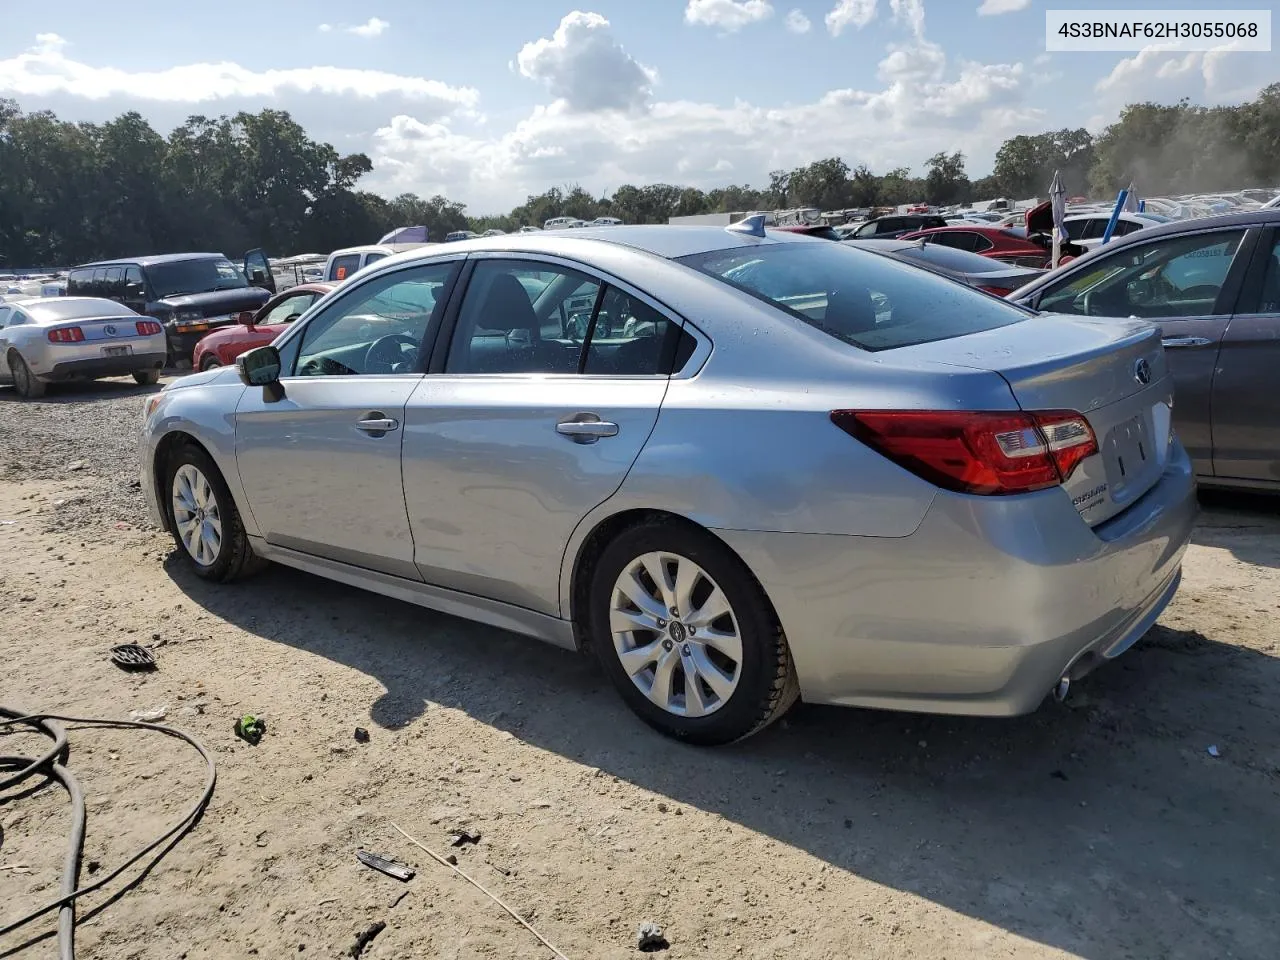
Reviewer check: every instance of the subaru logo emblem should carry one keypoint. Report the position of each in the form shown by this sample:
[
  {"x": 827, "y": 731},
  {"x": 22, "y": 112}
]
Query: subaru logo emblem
[
  {"x": 1142, "y": 371},
  {"x": 110, "y": 330}
]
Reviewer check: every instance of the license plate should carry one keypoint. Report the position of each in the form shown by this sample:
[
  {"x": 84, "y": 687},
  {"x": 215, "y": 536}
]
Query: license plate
[
  {"x": 115, "y": 351},
  {"x": 1130, "y": 448}
]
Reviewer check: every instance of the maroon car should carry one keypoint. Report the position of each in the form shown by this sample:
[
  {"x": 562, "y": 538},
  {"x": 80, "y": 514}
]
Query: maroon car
[
  {"x": 993, "y": 242},
  {"x": 256, "y": 329}
]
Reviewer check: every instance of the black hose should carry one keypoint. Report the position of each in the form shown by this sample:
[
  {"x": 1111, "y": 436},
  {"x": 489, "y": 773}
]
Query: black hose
[{"x": 51, "y": 766}]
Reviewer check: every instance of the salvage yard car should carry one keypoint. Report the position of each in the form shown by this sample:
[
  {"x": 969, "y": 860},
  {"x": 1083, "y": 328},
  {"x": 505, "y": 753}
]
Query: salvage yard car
[
  {"x": 743, "y": 482},
  {"x": 1213, "y": 286},
  {"x": 255, "y": 329},
  {"x": 45, "y": 340},
  {"x": 188, "y": 293}
]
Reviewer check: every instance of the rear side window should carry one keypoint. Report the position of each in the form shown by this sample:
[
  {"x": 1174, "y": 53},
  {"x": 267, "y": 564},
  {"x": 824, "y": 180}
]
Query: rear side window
[
  {"x": 864, "y": 299},
  {"x": 344, "y": 266},
  {"x": 631, "y": 339},
  {"x": 80, "y": 282}
]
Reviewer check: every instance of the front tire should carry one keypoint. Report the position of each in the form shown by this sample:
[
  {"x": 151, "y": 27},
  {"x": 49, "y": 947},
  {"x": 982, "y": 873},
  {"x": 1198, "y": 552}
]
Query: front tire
[
  {"x": 208, "y": 363},
  {"x": 24, "y": 381},
  {"x": 204, "y": 521},
  {"x": 146, "y": 378},
  {"x": 687, "y": 635}
]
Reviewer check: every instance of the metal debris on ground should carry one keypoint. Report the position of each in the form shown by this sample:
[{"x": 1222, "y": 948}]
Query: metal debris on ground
[
  {"x": 154, "y": 715},
  {"x": 392, "y": 868},
  {"x": 649, "y": 938},
  {"x": 365, "y": 937},
  {"x": 130, "y": 656},
  {"x": 362, "y": 735},
  {"x": 463, "y": 837},
  {"x": 451, "y": 863}
]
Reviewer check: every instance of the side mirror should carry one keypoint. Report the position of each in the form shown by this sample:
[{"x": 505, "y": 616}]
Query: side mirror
[
  {"x": 259, "y": 367},
  {"x": 245, "y": 318}
]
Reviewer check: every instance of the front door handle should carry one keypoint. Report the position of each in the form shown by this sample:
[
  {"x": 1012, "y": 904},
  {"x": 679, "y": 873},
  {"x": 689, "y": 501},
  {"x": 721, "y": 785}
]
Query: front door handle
[
  {"x": 1187, "y": 342},
  {"x": 377, "y": 425},
  {"x": 586, "y": 428}
]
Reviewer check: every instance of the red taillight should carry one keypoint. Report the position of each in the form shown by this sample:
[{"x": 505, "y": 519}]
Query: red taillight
[
  {"x": 987, "y": 453},
  {"x": 148, "y": 328},
  {"x": 66, "y": 335}
]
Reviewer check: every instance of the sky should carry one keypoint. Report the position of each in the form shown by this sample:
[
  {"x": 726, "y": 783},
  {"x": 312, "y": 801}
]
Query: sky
[{"x": 489, "y": 101}]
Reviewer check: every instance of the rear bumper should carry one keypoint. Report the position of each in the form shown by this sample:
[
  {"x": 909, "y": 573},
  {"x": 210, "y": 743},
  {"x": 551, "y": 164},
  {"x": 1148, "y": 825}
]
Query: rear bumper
[
  {"x": 984, "y": 607},
  {"x": 104, "y": 366},
  {"x": 182, "y": 343}
]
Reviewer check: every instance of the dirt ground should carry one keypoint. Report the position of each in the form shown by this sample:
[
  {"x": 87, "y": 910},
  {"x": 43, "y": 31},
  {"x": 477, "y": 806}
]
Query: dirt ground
[{"x": 1100, "y": 828}]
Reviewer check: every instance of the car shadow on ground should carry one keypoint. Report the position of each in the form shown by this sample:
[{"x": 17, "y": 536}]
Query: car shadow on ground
[
  {"x": 1245, "y": 524},
  {"x": 83, "y": 391},
  {"x": 1101, "y": 826}
]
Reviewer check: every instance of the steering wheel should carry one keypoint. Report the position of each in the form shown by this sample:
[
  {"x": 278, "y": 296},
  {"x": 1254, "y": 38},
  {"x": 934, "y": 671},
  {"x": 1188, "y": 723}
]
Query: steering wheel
[{"x": 385, "y": 353}]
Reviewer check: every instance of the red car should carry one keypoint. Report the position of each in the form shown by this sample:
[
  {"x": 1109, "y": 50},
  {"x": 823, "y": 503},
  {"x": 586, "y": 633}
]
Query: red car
[
  {"x": 256, "y": 329},
  {"x": 994, "y": 242}
]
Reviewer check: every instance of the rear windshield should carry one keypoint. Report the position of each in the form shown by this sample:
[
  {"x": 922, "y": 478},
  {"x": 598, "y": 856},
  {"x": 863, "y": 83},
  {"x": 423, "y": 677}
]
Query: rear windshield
[
  {"x": 949, "y": 258},
  {"x": 205, "y": 275},
  {"x": 864, "y": 299}
]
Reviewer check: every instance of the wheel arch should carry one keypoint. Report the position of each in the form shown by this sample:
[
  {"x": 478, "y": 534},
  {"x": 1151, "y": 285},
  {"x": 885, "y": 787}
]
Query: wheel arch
[
  {"x": 589, "y": 542},
  {"x": 167, "y": 446}
]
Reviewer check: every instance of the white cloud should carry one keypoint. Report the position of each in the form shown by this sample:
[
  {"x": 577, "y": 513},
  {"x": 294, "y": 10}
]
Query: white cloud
[
  {"x": 586, "y": 68},
  {"x": 797, "y": 22},
  {"x": 729, "y": 15},
  {"x": 993, "y": 8},
  {"x": 373, "y": 27},
  {"x": 910, "y": 12},
  {"x": 325, "y": 28},
  {"x": 46, "y": 70},
  {"x": 923, "y": 105},
  {"x": 1223, "y": 75},
  {"x": 856, "y": 13}
]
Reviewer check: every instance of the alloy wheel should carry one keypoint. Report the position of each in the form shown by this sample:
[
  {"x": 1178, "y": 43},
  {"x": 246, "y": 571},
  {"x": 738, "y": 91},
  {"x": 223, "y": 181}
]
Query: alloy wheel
[
  {"x": 196, "y": 514},
  {"x": 676, "y": 634}
]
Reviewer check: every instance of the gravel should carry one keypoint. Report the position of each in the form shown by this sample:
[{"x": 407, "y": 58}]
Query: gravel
[{"x": 84, "y": 433}]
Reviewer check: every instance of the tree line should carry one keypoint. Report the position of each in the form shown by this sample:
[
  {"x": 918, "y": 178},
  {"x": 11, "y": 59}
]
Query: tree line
[{"x": 72, "y": 192}]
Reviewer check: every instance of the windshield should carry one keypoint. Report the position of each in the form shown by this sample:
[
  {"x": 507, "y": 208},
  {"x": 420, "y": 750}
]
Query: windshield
[
  {"x": 203, "y": 275},
  {"x": 863, "y": 299}
]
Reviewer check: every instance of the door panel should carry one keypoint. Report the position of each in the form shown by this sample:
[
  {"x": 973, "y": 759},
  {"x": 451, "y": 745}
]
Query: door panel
[
  {"x": 1246, "y": 401},
  {"x": 494, "y": 491},
  {"x": 319, "y": 483}
]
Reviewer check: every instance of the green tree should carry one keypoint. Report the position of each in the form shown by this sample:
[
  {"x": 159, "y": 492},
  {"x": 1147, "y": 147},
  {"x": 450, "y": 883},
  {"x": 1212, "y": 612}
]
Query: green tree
[{"x": 946, "y": 181}]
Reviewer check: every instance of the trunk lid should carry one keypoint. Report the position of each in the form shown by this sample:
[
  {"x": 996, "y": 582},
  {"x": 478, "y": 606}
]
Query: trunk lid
[
  {"x": 105, "y": 330},
  {"x": 1112, "y": 371}
]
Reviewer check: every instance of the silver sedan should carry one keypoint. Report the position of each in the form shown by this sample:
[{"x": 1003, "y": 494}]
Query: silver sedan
[
  {"x": 740, "y": 467},
  {"x": 44, "y": 340}
]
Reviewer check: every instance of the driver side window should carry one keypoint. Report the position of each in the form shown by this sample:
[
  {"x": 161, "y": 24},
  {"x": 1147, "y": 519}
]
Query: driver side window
[
  {"x": 381, "y": 327},
  {"x": 289, "y": 309},
  {"x": 1179, "y": 277}
]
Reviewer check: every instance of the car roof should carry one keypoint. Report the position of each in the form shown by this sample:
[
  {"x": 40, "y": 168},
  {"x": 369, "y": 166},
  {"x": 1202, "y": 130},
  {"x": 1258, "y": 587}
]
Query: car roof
[
  {"x": 366, "y": 248},
  {"x": 150, "y": 261},
  {"x": 1249, "y": 218},
  {"x": 57, "y": 309},
  {"x": 669, "y": 241}
]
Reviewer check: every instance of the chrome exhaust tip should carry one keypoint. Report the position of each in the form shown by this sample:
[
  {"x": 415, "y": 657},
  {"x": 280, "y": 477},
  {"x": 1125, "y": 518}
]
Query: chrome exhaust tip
[{"x": 1060, "y": 690}]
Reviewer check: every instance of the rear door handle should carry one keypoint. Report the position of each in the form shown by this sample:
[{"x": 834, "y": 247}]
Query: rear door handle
[
  {"x": 377, "y": 425},
  {"x": 586, "y": 428},
  {"x": 1187, "y": 342}
]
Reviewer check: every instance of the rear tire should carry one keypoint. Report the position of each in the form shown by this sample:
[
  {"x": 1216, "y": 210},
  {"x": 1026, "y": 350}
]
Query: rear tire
[
  {"x": 146, "y": 378},
  {"x": 26, "y": 383},
  {"x": 203, "y": 518},
  {"x": 715, "y": 672}
]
